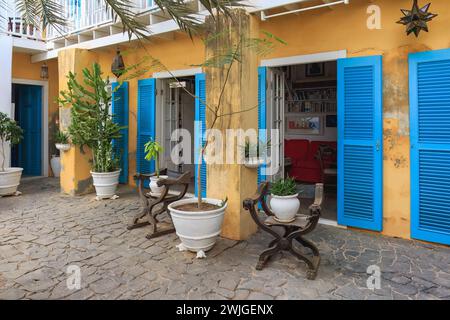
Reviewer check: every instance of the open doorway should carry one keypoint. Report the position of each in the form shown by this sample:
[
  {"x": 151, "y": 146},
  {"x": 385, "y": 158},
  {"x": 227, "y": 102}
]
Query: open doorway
[
  {"x": 303, "y": 106},
  {"x": 178, "y": 112}
]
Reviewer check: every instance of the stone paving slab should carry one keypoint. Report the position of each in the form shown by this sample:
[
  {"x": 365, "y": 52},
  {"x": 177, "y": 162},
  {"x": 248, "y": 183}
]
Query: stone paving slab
[{"x": 43, "y": 232}]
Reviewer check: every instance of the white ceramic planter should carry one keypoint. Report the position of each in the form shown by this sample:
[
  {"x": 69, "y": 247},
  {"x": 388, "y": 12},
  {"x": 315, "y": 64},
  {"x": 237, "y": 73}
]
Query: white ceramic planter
[
  {"x": 285, "y": 208},
  {"x": 105, "y": 183},
  {"x": 154, "y": 186},
  {"x": 9, "y": 181},
  {"x": 198, "y": 231},
  {"x": 253, "y": 163},
  {"x": 55, "y": 163},
  {"x": 62, "y": 146}
]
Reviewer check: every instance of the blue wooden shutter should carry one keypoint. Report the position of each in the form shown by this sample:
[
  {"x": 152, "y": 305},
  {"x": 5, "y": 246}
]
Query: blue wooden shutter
[
  {"x": 119, "y": 106},
  {"x": 262, "y": 109},
  {"x": 200, "y": 129},
  {"x": 360, "y": 156},
  {"x": 430, "y": 145},
  {"x": 146, "y": 127}
]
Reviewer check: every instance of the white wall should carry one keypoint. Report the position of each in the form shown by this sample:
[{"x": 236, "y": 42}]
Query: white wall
[{"x": 6, "y": 46}]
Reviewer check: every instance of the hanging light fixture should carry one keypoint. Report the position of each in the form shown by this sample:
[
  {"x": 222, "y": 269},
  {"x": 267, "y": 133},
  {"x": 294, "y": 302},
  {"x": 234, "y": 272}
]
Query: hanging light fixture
[
  {"x": 416, "y": 19},
  {"x": 44, "y": 71},
  {"x": 118, "y": 66}
]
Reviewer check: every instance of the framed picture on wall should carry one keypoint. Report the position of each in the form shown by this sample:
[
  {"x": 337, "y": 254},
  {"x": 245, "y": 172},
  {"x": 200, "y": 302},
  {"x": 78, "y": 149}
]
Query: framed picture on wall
[
  {"x": 315, "y": 69},
  {"x": 304, "y": 125}
]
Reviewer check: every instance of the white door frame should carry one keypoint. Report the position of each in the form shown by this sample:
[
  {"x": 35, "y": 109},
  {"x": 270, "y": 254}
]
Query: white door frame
[
  {"x": 44, "y": 144},
  {"x": 304, "y": 59}
]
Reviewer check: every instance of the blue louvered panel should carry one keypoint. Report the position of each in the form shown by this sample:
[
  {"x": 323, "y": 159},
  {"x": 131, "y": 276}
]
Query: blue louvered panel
[
  {"x": 359, "y": 181},
  {"x": 359, "y": 102},
  {"x": 434, "y": 191},
  {"x": 120, "y": 116},
  {"x": 262, "y": 115},
  {"x": 360, "y": 159},
  {"x": 200, "y": 129},
  {"x": 430, "y": 145},
  {"x": 146, "y": 124}
]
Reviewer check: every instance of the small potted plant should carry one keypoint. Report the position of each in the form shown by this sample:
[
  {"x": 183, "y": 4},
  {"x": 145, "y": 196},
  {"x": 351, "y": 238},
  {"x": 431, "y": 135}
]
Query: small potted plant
[
  {"x": 9, "y": 177},
  {"x": 153, "y": 151},
  {"x": 284, "y": 200},
  {"x": 255, "y": 154},
  {"x": 92, "y": 125},
  {"x": 62, "y": 141}
]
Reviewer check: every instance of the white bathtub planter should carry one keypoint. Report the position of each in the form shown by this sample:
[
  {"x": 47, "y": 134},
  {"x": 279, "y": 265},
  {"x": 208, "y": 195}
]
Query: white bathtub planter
[
  {"x": 198, "y": 230},
  {"x": 284, "y": 201},
  {"x": 253, "y": 163},
  {"x": 105, "y": 184},
  {"x": 9, "y": 181},
  {"x": 156, "y": 190}
]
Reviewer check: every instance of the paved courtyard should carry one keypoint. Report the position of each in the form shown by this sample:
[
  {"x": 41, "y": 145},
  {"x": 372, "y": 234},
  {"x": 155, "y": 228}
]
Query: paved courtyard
[{"x": 43, "y": 232}]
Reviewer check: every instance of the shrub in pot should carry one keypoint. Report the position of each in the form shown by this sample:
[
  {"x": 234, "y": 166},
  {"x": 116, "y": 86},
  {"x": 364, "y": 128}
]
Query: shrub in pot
[
  {"x": 153, "y": 151},
  {"x": 92, "y": 126},
  {"x": 62, "y": 141},
  {"x": 284, "y": 200},
  {"x": 255, "y": 154},
  {"x": 11, "y": 133}
]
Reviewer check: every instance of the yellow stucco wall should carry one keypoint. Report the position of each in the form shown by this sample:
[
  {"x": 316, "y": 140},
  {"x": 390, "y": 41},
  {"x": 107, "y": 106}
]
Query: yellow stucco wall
[
  {"x": 344, "y": 28},
  {"x": 340, "y": 28},
  {"x": 22, "y": 68}
]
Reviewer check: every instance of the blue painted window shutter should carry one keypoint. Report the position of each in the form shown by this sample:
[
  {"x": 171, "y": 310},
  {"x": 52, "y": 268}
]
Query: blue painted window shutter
[
  {"x": 360, "y": 137},
  {"x": 200, "y": 129},
  {"x": 430, "y": 145},
  {"x": 146, "y": 126},
  {"x": 262, "y": 124},
  {"x": 119, "y": 106}
]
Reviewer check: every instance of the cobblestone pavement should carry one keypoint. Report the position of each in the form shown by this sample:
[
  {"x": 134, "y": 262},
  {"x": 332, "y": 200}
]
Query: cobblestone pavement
[{"x": 42, "y": 232}]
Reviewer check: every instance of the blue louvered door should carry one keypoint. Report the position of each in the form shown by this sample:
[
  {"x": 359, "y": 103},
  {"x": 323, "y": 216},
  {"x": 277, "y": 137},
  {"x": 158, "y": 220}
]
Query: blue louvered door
[
  {"x": 29, "y": 117},
  {"x": 360, "y": 132},
  {"x": 262, "y": 114},
  {"x": 200, "y": 128},
  {"x": 119, "y": 107},
  {"x": 429, "y": 74},
  {"x": 146, "y": 124}
]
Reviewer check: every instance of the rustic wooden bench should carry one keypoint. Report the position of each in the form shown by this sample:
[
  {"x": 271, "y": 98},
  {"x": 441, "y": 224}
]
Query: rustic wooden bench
[{"x": 292, "y": 235}]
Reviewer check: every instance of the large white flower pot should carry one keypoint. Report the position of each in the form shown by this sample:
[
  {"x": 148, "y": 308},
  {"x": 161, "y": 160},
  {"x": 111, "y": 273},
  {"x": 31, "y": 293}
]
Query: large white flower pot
[
  {"x": 154, "y": 184},
  {"x": 198, "y": 231},
  {"x": 9, "y": 181},
  {"x": 285, "y": 208},
  {"x": 55, "y": 163},
  {"x": 105, "y": 183}
]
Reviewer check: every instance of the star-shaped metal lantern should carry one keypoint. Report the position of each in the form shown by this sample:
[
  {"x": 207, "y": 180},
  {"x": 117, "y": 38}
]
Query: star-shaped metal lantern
[{"x": 416, "y": 19}]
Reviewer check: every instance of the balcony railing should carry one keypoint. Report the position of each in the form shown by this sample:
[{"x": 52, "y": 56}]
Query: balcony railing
[{"x": 79, "y": 14}]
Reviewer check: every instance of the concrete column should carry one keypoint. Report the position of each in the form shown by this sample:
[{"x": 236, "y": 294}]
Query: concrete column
[
  {"x": 75, "y": 166},
  {"x": 6, "y": 46},
  {"x": 241, "y": 93}
]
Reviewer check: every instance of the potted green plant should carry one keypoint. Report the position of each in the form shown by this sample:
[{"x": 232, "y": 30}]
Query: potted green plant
[
  {"x": 255, "y": 154},
  {"x": 284, "y": 200},
  {"x": 11, "y": 133},
  {"x": 62, "y": 141},
  {"x": 153, "y": 151},
  {"x": 92, "y": 126}
]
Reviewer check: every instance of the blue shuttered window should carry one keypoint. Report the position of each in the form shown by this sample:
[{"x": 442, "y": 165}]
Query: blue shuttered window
[
  {"x": 119, "y": 106},
  {"x": 262, "y": 123},
  {"x": 200, "y": 128},
  {"x": 360, "y": 142},
  {"x": 146, "y": 126},
  {"x": 430, "y": 145}
]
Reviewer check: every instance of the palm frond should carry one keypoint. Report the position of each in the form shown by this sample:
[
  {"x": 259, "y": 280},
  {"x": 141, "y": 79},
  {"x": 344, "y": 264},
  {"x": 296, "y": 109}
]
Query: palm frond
[
  {"x": 123, "y": 10},
  {"x": 42, "y": 13}
]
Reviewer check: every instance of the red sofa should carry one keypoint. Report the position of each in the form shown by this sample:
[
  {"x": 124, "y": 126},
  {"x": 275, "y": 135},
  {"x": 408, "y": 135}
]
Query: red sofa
[{"x": 305, "y": 163}]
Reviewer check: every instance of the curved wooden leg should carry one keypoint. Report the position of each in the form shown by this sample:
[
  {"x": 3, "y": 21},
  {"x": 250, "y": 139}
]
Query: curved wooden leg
[
  {"x": 313, "y": 264},
  {"x": 265, "y": 256},
  {"x": 308, "y": 244},
  {"x": 134, "y": 224}
]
